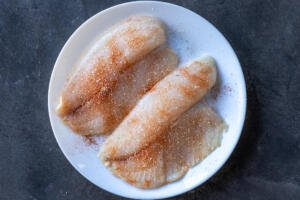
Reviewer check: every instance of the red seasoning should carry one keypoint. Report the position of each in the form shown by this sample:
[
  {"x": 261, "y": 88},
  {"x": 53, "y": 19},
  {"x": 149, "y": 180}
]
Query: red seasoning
[{"x": 89, "y": 140}]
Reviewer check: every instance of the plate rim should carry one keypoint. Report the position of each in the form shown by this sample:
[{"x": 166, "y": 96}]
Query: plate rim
[{"x": 243, "y": 93}]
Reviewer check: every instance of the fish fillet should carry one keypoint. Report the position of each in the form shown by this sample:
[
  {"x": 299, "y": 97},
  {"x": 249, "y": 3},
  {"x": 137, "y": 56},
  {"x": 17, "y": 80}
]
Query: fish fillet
[
  {"x": 163, "y": 104},
  {"x": 123, "y": 45},
  {"x": 102, "y": 114},
  {"x": 192, "y": 137},
  {"x": 143, "y": 170}
]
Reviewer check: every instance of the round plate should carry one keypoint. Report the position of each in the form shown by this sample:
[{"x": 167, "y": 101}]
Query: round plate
[{"x": 190, "y": 36}]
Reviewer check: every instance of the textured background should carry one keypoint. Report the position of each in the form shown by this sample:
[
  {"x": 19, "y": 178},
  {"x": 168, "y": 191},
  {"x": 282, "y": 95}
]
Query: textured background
[{"x": 265, "y": 36}]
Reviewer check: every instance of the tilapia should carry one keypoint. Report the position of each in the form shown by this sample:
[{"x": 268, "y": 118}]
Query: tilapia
[
  {"x": 188, "y": 140},
  {"x": 102, "y": 114},
  {"x": 118, "y": 49},
  {"x": 162, "y": 105}
]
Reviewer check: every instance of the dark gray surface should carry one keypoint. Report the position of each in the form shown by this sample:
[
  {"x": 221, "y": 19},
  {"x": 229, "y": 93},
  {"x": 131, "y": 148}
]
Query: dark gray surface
[{"x": 265, "y": 36}]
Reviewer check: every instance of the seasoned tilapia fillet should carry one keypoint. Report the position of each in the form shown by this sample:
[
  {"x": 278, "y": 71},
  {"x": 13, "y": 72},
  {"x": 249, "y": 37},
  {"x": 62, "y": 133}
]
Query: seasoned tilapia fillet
[
  {"x": 144, "y": 169},
  {"x": 102, "y": 114},
  {"x": 162, "y": 105},
  {"x": 192, "y": 137},
  {"x": 123, "y": 45}
]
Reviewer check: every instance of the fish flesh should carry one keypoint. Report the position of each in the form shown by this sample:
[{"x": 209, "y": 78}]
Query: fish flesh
[
  {"x": 101, "y": 115},
  {"x": 162, "y": 105},
  {"x": 189, "y": 140},
  {"x": 118, "y": 49}
]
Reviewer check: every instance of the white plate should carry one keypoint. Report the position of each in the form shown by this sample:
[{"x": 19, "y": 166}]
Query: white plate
[{"x": 190, "y": 36}]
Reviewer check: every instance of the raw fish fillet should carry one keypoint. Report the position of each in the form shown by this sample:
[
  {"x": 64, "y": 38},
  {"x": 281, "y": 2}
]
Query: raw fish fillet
[
  {"x": 123, "y": 45},
  {"x": 191, "y": 138},
  {"x": 161, "y": 106},
  {"x": 102, "y": 114}
]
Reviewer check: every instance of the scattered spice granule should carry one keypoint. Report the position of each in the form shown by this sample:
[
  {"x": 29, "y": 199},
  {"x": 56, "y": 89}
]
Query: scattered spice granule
[
  {"x": 89, "y": 140},
  {"x": 227, "y": 88}
]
